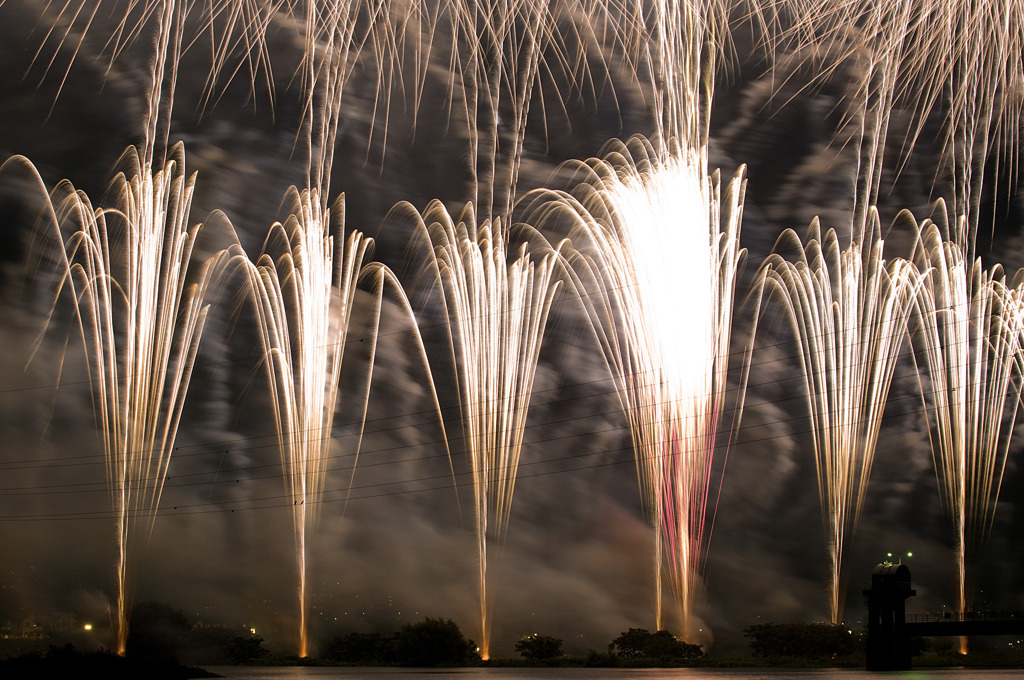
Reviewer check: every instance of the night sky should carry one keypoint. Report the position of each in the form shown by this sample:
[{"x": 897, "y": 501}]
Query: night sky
[{"x": 395, "y": 543}]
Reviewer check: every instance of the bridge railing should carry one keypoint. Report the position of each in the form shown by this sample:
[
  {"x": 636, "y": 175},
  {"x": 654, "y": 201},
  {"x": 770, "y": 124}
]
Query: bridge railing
[{"x": 978, "y": 615}]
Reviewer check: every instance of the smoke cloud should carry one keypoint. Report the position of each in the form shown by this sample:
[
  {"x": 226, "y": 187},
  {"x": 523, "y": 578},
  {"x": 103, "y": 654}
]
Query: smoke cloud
[{"x": 395, "y": 540}]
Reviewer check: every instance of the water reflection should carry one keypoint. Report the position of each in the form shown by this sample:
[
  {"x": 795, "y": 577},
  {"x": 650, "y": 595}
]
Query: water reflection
[{"x": 314, "y": 673}]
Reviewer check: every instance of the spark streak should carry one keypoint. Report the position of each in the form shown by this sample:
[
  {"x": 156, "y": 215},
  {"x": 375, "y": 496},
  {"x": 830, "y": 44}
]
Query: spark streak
[
  {"x": 140, "y": 318},
  {"x": 970, "y": 325},
  {"x": 848, "y": 310},
  {"x": 655, "y": 266},
  {"x": 647, "y": 204},
  {"x": 495, "y": 312},
  {"x": 305, "y": 285},
  {"x": 305, "y": 292},
  {"x": 496, "y": 297},
  {"x": 960, "y": 59},
  {"x": 140, "y": 324}
]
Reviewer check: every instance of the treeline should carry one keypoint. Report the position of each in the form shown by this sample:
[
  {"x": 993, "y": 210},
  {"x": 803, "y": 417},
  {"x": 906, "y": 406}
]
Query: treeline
[
  {"x": 436, "y": 642},
  {"x": 160, "y": 633},
  {"x": 162, "y": 640},
  {"x": 812, "y": 641},
  {"x": 430, "y": 643}
]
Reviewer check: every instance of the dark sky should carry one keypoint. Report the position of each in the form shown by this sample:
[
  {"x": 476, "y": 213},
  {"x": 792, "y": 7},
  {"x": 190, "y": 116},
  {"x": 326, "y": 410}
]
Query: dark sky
[{"x": 577, "y": 563}]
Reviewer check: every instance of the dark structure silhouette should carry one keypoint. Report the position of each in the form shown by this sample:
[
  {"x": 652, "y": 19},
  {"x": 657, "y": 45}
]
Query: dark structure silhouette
[
  {"x": 888, "y": 647},
  {"x": 889, "y": 632}
]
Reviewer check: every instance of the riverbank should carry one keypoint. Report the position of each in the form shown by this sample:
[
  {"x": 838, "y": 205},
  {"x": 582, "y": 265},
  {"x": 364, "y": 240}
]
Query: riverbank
[{"x": 68, "y": 662}]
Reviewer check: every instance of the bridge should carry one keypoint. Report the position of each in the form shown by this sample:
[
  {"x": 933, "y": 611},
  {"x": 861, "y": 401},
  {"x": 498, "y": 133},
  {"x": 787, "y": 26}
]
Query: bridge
[
  {"x": 890, "y": 630},
  {"x": 970, "y": 623}
]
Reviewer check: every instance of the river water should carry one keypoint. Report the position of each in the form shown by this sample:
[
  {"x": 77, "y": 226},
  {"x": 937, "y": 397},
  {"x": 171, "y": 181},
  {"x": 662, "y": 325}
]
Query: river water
[{"x": 314, "y": 673}]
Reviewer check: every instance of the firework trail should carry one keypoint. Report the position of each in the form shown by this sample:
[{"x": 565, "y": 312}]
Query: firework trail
[
  {"x": 495, "y": 294},
  {"x": 234, "y": 32},
  {"x": 847, "y": 307},
  {"x": 969, "y": 330},
  {"x": 960, "y": 60},
  {"x": 304, "y": 283},
  {"x": 963, "y": 59},
  {"x": 141, "y": 323},
  {"x": 646, "y": 226},
  {"x": 495, "y": 62},
  {"x": 139, "y": 307},
  {"x": 849, "y": 310},
  {"x": 495, "y": 305},
  {"x": 648, "y": 222},
  {"x": 305, "y": 289}
]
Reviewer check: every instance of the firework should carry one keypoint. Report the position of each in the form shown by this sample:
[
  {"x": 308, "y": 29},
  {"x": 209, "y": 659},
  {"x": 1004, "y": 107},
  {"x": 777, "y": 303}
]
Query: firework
[
  {"x": 959, "y": 60},
  {"x": 849, "y": 310},
  {"x": 304, "y": 291},
  {"x": 646, "y": 227},
  {"x": 969, "y": 325},
  {"x": 304, "y": 284},
  {"x": 637, "y": 213},
  {"x": 495, "y": 306},
  {"x": 139, "y": 312}
]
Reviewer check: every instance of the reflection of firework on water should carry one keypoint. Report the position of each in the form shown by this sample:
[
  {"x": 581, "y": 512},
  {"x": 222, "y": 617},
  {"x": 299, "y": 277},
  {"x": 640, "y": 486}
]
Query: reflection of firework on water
[
  {"x": 849, "y": 311},
  {"x": 656, "y": 265},
  {"x": 970, "y": 326},
  {"x": 495, "y": 306}
]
